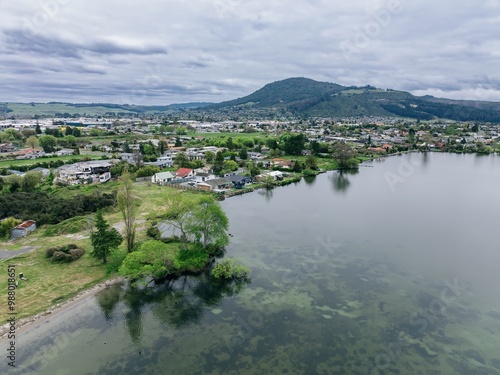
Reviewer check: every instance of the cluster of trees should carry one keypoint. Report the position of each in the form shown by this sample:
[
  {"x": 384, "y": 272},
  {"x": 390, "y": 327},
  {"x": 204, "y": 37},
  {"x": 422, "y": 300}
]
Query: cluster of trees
[
  {"x": 202, "y": 227},
  {"x": 27, "y": 183},
  {"x": 48, "y": 141},
  {"x": 201, "y": 220},
  {"x": 140, "y": 171},
  {"x": 49, "y": 209},
  {"x": 345, "y": 155}
]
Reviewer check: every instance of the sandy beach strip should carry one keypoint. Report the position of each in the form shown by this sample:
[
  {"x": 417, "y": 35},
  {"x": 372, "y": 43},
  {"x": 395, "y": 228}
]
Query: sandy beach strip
[{"x": 32, "y": 321}]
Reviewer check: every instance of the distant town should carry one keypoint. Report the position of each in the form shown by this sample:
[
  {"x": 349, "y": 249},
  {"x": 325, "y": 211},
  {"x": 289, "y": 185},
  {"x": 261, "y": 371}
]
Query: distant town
[{"x": 184, "y": 151}]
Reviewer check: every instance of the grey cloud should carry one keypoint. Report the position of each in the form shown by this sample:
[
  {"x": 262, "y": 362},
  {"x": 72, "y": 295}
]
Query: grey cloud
[
  {"x": 229, "y": 48},
  {"x": 24, "y": 41}
]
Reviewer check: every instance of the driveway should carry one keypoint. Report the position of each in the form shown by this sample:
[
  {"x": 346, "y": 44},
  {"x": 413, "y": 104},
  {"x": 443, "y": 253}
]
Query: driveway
[{"x": 5, "y": 254}]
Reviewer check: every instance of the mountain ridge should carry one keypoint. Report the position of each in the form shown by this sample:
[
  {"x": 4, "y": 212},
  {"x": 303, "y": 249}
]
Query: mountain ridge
[{"x": 299, "y": 96}]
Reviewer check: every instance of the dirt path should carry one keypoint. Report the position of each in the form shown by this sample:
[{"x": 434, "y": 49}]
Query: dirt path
[{"x": 5, "y": 254}]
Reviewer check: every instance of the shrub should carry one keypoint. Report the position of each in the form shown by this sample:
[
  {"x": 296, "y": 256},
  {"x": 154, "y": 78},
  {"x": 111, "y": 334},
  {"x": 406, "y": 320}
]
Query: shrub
[
  {"x": 229, "y": 269},
  {"x": 64, "y": 254},
  {"x": 193, "y": 259},
  {"x": 6, "y": 226}
]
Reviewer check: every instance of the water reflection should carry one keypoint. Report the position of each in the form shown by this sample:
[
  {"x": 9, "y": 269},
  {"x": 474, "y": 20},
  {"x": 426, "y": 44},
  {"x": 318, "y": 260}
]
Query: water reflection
[
  {"x": 341, "y": 181},
  {"x": 108, "y": 299},
  {"x": 267, "y": 193},
  {"x": 309, "y": 180},
  {"x": 180, "y": 302},
  {"x": 425, "y": 158}
]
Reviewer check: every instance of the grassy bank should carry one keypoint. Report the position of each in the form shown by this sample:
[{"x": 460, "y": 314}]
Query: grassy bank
[
  {"x": 51, "y": 283},
  {"x": 48, "y": 283}
]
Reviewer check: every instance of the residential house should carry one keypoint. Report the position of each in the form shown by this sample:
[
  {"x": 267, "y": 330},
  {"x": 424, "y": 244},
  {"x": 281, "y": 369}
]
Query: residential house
[
  {"x": 203, "y": 176},
  {"x": 210, "y": 148},
  {"x": 239, "y": 181},
  {"x": 131, "y": 157},
  {"x": 162, "y": 178},
  {"x": 64, "y": 152},
  {"x": 194, "y": 155},
  {"x": 216, "y": 184},
  {"x": 255, "y": 156},
  {"x": 23, "y": 229},
  {"x": 7, "y": 147},
  {"x": 276, "y": 175},
  {"x": 166, "y": 161},
  {"x": 29, "y": 153},
  {"x": 183, "y": 173},
  {"x": 90, "y": 171},
  {"x": 282, "y": 163}
]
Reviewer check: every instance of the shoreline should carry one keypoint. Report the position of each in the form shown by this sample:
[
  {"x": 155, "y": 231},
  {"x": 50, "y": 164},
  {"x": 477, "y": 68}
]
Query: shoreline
[
  {"x": 27, "y": 323},
  {"x": 30, "y": 322}
]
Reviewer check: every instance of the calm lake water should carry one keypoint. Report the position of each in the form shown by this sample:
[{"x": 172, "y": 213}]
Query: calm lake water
[{"x": 390, "y": 270}]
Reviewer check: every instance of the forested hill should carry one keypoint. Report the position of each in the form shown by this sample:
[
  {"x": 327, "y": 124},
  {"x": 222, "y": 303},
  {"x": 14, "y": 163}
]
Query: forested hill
[{"x": 306, "y": 97}]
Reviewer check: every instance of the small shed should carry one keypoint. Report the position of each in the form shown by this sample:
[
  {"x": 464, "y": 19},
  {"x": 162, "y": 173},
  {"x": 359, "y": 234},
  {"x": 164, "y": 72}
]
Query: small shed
[{"x": 23, "y": 229}]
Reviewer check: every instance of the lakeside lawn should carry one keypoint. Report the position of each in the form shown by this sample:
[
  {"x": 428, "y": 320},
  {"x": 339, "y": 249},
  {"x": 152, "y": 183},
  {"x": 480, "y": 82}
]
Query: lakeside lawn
[
  {"x": 48, "y": 283},
  {"x": 51, "y": 283}
]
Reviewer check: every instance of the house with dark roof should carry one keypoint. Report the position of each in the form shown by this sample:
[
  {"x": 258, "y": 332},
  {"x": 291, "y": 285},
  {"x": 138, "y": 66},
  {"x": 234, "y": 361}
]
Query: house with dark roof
[
  {"x": 239, "y": 181},
  {"x": 216, "y": 184}
]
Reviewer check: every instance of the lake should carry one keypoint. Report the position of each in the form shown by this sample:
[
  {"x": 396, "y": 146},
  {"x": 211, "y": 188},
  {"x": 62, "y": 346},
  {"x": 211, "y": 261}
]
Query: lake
[{"x": 393, "y": 269}]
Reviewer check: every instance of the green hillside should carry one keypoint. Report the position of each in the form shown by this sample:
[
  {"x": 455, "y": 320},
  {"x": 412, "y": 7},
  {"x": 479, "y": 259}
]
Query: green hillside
[{"x": 309, "y": 98}]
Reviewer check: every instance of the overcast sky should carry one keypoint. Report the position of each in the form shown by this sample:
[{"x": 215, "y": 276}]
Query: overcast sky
[{"x": 173, "y": 51}]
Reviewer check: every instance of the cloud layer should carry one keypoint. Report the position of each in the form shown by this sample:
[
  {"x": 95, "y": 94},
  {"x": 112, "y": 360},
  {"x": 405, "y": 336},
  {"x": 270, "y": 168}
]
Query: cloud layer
[{"x": 161, "y": 52}]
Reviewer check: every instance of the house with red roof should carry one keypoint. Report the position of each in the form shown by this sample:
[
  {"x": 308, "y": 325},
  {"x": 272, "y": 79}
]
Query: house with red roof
[{"x": 184, "y": 173}]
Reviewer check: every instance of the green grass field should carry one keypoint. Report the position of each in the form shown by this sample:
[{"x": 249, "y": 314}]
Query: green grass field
[
  {"x": 8, "y": 163},
  {"x": 227, "y": 135},
  {"x": 50, "y": 283}
]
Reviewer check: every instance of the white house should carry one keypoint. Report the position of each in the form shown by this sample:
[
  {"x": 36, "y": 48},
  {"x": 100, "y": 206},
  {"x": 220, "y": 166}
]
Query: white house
[
  {"x": 210, "y": 148},
  {"x": 64, "y": 152},
  {"x": 203, "y": 176},
  {"x": 162, "y": 177},
  {"x": 165, "y": 161},
  {"x": 193, "y": 155},
  {"x": 128, "y": 157}
]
